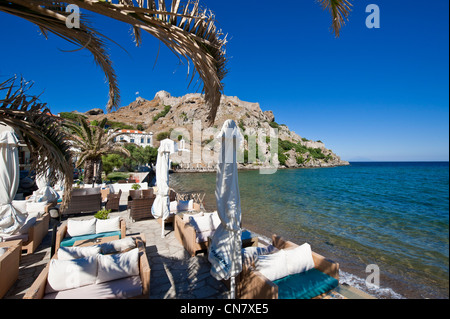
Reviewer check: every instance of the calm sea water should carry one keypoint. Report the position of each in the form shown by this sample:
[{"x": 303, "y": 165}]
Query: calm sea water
[{"x": 393, "y": 215}]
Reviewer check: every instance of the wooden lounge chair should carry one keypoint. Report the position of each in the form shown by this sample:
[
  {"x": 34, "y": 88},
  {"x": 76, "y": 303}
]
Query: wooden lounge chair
[
  {"x": 9, "y": 265},
  {"x": 253, "y": 285},
  {"x": 84, "y": 200},
  {"x": 119, "y": 288},
  {"x": 113, "y": 201}
]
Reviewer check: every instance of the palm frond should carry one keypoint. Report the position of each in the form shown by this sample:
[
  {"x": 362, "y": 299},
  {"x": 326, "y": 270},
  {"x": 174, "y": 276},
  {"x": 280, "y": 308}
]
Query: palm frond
[
  {"x": 340, "y": 10},
  {"x": 40, "y": 130},
  {"x": 187, "y": 30}
]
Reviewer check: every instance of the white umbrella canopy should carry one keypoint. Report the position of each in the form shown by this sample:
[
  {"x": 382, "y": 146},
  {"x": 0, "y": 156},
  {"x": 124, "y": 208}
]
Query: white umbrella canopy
[
  {"x": 225, "y": 250},
  {"x": 160, "y": 207},
  {"x": 45, "y": 190},
  {"x": 10, "y": 218}
]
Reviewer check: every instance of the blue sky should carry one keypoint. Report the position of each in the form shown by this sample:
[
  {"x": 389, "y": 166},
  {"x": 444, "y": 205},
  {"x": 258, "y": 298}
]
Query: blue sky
[{"x": 372, "y": 94}]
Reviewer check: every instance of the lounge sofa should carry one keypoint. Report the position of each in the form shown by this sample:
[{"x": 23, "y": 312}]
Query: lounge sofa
[
  {"x": 192, "y": 231},
  {"x": 95, "y": 273},
  {"x": 307, "y": 274},
  {"x": 10, "y": 253},
  {"x": 84, "y": 200},
  {"x": 35, "y": 227},
  {"x": 73, "y": 230}
]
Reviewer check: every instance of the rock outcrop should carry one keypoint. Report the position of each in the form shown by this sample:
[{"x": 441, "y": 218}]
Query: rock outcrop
[{"x": 178, "y": 115}]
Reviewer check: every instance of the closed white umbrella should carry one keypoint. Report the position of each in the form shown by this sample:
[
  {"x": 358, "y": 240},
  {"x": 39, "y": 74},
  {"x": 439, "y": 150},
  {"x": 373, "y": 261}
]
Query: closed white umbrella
[
  {"x": 10, "y": 218},
  {"x": 45, "y": 190},
  {"x": 160, "y": 208},
  {"x": 225, "y": 250}
]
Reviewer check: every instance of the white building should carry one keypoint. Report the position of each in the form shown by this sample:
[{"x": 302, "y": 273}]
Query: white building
[{"x": 137, "y": 137}]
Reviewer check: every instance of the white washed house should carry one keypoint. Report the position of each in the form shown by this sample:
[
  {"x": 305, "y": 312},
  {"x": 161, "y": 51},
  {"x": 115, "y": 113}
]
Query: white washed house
[{"x": 139, "y": 138}]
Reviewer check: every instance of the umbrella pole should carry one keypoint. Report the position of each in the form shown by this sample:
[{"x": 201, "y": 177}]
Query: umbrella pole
[{"x": 162, "y": 229}]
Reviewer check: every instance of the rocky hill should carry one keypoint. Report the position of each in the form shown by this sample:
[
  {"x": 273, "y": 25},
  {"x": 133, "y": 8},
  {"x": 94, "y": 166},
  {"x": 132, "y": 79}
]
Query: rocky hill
[{"x": 167, "y": 114}]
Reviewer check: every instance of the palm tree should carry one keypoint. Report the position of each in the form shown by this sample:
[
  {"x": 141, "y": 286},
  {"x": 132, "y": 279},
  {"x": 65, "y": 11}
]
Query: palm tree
[
  {"x": 40, "y": 130},
  {"x": 188, "y": 31},
  {"x": 91, "y": 143}
]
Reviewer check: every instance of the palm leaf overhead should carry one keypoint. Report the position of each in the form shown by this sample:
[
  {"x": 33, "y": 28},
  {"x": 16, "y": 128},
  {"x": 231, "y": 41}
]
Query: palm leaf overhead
[
  {"x": 187, "y": 30},
  {"x": 40, "y": 130},
  {"x": 340, "y": 10}
]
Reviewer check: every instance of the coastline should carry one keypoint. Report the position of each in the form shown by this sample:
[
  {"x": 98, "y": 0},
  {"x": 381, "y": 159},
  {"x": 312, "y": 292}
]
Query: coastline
[{"x": 353, "y": 253}]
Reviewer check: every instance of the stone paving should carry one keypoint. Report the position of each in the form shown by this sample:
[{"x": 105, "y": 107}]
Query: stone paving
[{"x": 174, "y": 273}]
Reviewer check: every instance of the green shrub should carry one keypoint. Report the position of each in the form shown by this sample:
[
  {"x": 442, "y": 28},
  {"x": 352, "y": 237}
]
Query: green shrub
[
  {"x": 162, "y": 113},
  {"x": 135, "y": 187},
  {"x": 162, "y": 136},
  {"x": 102, "y": 214}
]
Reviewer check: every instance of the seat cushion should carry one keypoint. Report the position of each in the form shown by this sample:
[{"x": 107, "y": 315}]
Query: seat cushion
[
  {"x": 305, "y": 285},
  {"x": 70, "y": 241},
  {"x": 118, "y": 289}
]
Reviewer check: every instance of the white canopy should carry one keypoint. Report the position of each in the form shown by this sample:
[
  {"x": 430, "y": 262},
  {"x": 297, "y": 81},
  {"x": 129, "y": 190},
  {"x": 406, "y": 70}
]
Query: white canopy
[
  {"x": 226, "y": 244},
  {"x": 160, "y": 208},
  {"x": 10, "y": 218}
]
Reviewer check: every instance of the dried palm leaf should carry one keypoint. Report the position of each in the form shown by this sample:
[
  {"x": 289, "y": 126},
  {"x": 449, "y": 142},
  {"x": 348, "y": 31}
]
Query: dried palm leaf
[
  {"x": 40, "y": 130},
  {"x": 340, "y": 10}
]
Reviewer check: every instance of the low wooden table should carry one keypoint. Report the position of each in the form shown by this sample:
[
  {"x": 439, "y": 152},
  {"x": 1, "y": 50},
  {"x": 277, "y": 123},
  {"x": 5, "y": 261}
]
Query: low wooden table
[{"x": 95, "y": 241}]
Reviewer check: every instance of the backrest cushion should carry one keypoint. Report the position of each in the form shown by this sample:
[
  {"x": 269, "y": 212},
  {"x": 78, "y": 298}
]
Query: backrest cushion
[
  {"x": 117, "y": 266},
  {"x": 69, "y": 253},
  {"x": 69, "y": 274},
  {"x": 299, "y": 259},
  {"x": 77, "y": 227},
  {"x": 107, "y": 225}
]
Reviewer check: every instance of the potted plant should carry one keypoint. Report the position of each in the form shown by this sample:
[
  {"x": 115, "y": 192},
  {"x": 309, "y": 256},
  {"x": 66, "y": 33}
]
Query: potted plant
[
  {"x": 102, "y": 214},
  {"x": 135, "y": 187}
]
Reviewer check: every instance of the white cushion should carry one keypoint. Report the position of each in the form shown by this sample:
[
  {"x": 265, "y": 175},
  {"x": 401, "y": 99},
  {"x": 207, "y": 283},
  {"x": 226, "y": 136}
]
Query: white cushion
[
  {"x": 273, "y": 266},
  {"x": 173, "y": 208},
  {"x": 117, "y": 246},
  {"x": 107, "y": 225},
  {"x": 69, "y": 274},
  {"x": 36, "y": 207},
  {"x": 201, "y": 223},
  {"x": 81, "y": 227},
  {"x": 112, "y": 267},
  {"x": 186, "y": 217},
  {"x": 20, "y": 205},
  {"x": 185, "y": 205},
  {"x": 250, "y": 254},
  {"x": 215, "y": 219},
  {"x": 69, "y": 253},
  {"x": 299, "y": 259}
]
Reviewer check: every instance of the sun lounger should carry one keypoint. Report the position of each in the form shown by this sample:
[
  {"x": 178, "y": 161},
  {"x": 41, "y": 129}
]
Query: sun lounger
[
  {"x": 97, "y": 275},
  {"x": 323, "y": 277},
  {"x": 10, "y": 253}
]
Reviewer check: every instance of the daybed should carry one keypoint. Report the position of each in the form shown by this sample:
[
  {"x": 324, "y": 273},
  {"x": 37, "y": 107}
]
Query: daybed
[
  {"x": 35, "y": 227},
  {"x": 118, "y": 270},
  {"x": 192, "y": 231},
  {"x": 84, "y": 200},
  {"x": 73, "y": 230},
  {"x": 10, "y": 253},
  {"x": 295, "y": 273}
]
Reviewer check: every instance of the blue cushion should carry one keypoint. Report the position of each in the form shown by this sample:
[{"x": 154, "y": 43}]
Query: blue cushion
[
  {"x": 69, "y": 241},
  {"x": 305, "y": 285}
]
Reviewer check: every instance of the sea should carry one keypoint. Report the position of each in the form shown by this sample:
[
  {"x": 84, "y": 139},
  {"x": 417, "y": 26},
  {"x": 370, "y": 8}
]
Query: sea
[{"x": 385, "y": 223}]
